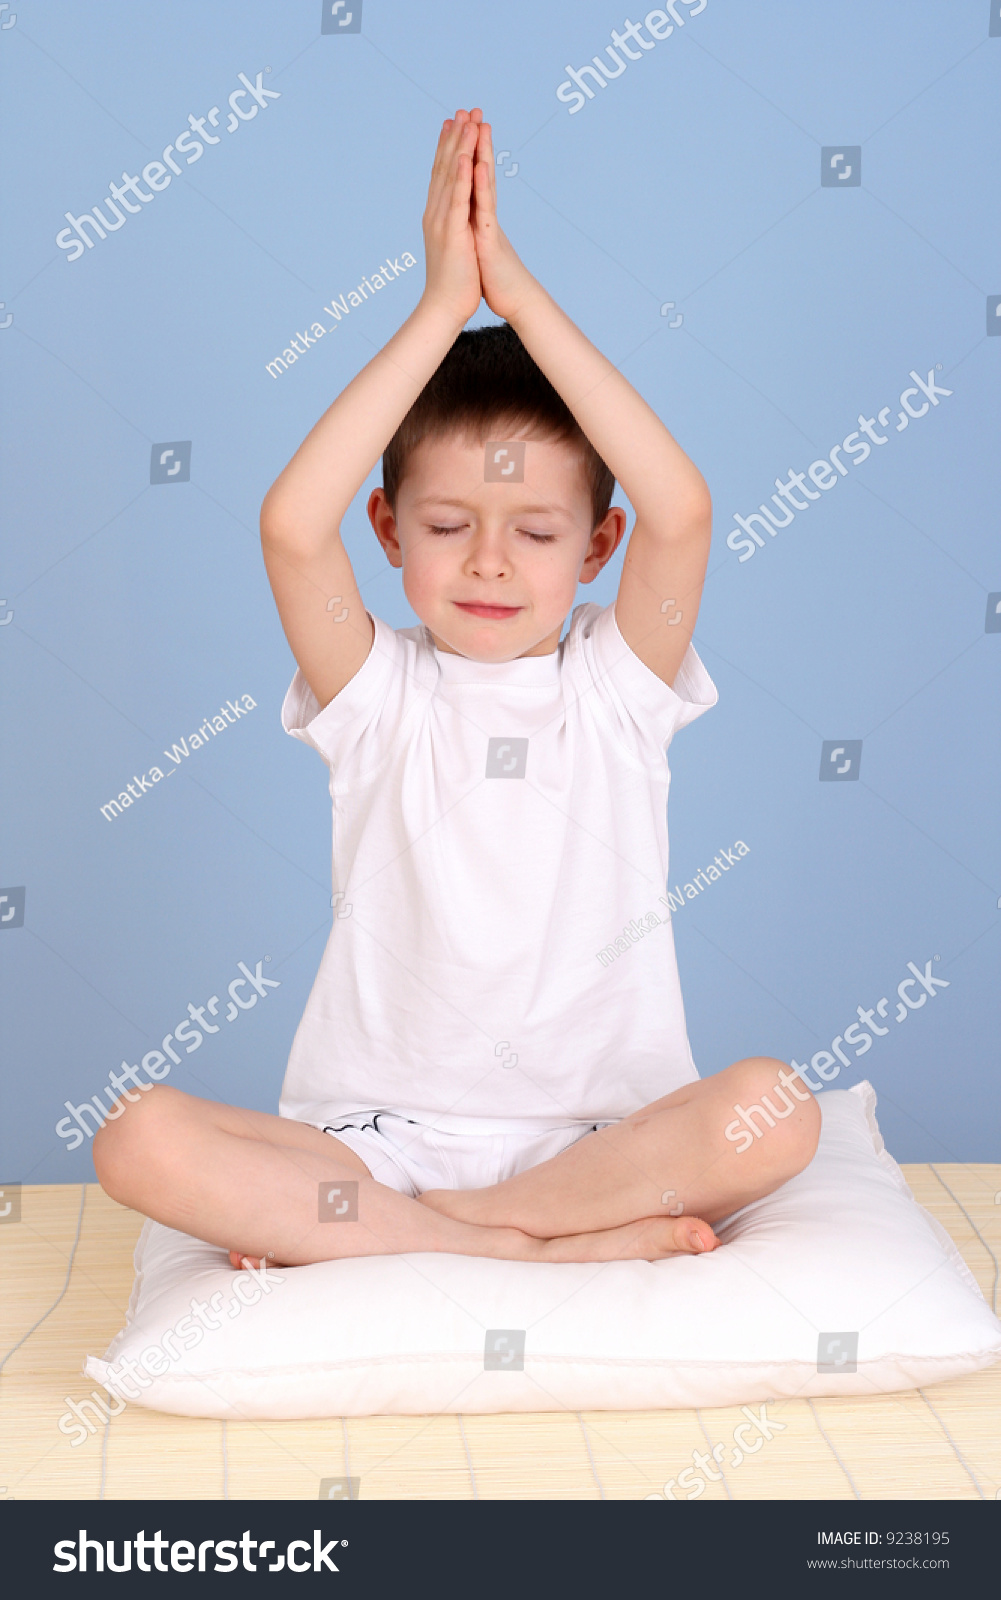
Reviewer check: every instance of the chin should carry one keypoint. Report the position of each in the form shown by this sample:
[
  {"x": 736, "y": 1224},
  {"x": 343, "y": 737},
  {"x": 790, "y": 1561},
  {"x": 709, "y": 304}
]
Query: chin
[
  {"x": 480, "y": 639},
  {"x": 483, "y": 653}
]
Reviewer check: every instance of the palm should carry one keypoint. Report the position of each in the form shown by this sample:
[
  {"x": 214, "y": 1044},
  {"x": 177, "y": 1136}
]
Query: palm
[
  {"x": 503, "y": 276},
  {"x": 453, "y": 275},
  {"x": 467, "y": 252}
]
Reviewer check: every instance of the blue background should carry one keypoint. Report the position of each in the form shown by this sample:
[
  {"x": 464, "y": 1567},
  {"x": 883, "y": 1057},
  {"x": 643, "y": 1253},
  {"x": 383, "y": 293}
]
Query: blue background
[{"x": 138, "y": 609}]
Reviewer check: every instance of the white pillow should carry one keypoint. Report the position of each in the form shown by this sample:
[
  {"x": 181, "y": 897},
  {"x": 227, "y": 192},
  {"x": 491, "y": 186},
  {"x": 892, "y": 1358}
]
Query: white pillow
[{"x": 841, "y": 1252}]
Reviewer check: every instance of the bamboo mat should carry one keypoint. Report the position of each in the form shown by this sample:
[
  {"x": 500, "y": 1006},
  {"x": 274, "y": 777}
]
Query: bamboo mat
[{"x": 67, "y": 1274}]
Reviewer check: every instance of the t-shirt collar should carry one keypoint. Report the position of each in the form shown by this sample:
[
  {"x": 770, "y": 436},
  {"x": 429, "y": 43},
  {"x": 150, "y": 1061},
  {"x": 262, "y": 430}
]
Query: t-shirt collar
[{"x": 529, "y": 671}]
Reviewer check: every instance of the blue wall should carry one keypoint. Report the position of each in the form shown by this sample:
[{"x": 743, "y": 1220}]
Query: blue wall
[{"x": 136, "y": 609}]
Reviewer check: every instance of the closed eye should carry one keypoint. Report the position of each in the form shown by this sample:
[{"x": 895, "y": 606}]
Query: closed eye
[{"x": 540, "y": 538}]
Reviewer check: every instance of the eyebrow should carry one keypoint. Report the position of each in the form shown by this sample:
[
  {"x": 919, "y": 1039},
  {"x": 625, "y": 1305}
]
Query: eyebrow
[{"x": 524, "y": 511}]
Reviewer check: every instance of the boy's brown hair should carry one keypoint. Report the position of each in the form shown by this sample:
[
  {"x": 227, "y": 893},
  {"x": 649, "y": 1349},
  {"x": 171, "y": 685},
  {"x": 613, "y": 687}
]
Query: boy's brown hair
[{"x": 486, "y": 378}]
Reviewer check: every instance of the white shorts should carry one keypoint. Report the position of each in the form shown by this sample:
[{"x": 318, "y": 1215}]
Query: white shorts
[{"x": 409, "y": 1152}]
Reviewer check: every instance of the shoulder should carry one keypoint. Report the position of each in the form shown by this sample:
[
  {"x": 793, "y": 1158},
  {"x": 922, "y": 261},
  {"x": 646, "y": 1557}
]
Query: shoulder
[
  {"x": 585, "y": 619},
  {"x": 395, "y": 675},
  {"x": 644, "y": 710},
  {"x": 404, "y": 655}
]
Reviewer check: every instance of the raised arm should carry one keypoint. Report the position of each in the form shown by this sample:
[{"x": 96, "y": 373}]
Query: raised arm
[
  {"x": 665, "y": 561},
  {"x": 328, "y": 629}
]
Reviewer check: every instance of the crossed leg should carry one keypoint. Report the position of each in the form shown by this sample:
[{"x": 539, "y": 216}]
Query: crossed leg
[
  {"x": 224, "y": 1174},
  {"x": 673, "y": 1157}
]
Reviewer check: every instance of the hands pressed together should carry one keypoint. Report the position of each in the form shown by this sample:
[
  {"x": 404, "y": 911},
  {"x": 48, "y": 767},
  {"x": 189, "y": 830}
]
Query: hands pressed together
[{"x": 467, "y": 254}]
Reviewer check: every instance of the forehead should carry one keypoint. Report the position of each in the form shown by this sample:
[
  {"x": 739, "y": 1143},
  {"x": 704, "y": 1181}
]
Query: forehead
[{"x": 533, "y": 474}]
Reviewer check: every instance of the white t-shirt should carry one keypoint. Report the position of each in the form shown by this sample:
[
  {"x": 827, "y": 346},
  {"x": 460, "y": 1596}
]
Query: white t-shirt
[{"x": 495, "y": 826}]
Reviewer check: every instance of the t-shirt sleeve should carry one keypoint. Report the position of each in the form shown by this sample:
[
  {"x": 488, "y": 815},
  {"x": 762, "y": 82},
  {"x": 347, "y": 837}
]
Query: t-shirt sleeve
[
  {"x": 644, "y": 711},
  {"x": 356, "y": 729}
]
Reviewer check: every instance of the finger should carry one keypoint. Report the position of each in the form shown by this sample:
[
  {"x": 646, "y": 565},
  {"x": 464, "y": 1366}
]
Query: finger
[
  {"x": 487, "y": 146},
  {"x": 458, "y": 140},
  {"x": 439, "y": 156},
  {"x": 462, "y": 189},
  {"x": 445, "y": 170},
  {"x": 451, "y": 135},
  {"x": 448, "y": 139},
  {"x": 481, "y": 201},
  {"x": 463, "y": 121},
  {"x": 485, "y": 188},
  {"x": 480, "y": 210},
  {"x": 462, "y": 179}
]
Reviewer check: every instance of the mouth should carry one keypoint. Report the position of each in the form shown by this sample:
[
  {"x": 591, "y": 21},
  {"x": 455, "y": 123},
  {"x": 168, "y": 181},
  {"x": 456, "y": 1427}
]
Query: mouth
[{"x": 491, "y": 613}]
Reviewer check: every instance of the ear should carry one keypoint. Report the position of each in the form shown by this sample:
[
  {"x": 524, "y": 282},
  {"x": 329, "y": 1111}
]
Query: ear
[
  {"x": 384, "y": 522},
  {"x": 604, "y": 542}
]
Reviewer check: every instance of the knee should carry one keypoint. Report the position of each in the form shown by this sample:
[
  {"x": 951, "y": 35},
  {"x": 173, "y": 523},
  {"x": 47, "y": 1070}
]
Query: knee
[
  {"x": 128, "y": 1142},
  {"x": 778, "y": 1108}
]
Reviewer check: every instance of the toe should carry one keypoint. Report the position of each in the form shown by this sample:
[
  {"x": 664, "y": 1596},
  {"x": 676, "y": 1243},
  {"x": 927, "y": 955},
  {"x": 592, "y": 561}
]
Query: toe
[
  {"x": 694, "y": 1235},
  {"x": 238, "y": 1260}
]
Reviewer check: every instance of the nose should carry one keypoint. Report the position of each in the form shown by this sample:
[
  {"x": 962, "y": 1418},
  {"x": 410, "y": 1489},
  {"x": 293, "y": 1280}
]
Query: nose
[{"x": 487, "y": 555}]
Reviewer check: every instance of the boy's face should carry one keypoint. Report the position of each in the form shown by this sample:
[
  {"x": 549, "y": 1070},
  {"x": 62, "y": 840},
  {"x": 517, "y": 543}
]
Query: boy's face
[{"x": 501, "y": 582}]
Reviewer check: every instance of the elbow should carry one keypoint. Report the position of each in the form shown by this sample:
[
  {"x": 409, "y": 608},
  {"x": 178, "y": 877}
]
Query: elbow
[
  {"x": 273, "y": 529},
  {"x": 698, "y": 508},
  {"x": 282, "y": 521},
  {"x": 295, "y": 531},
  {"x": 691, "y": 517},
  {"x": 278, "y": 535}
]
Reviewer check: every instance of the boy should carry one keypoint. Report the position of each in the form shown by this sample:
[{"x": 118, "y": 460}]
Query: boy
[{"x": 467, "y": 1076}]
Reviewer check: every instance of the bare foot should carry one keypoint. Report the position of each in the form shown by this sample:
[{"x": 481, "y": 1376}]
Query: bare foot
[
  {"x": 649, "y": 1239},
  {"x": 241, "y": 1262},
  {"x": 689, "y": 1234}
]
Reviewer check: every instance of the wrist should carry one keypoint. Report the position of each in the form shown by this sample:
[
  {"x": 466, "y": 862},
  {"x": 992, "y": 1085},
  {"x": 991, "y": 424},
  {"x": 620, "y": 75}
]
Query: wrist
[
  {"x": 440, "y": 314},
  {"x": 529, "y": 299}
]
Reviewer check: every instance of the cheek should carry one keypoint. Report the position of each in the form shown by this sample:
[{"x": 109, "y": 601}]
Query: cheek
[
  {"x": 557, "y": 578},
  {"x": 424, "y": 564}
]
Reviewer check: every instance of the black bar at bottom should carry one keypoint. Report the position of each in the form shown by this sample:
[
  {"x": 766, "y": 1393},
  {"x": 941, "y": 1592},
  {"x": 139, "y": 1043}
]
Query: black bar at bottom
[{"x": 511, "y": 1549}]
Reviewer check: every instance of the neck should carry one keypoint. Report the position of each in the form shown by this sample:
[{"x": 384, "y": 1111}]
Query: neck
[{"x": 545, "y": 647}]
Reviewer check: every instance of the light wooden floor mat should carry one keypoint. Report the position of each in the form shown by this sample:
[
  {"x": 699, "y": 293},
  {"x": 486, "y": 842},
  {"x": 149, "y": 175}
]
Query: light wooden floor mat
[{"x": 67, "y": 1274}]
